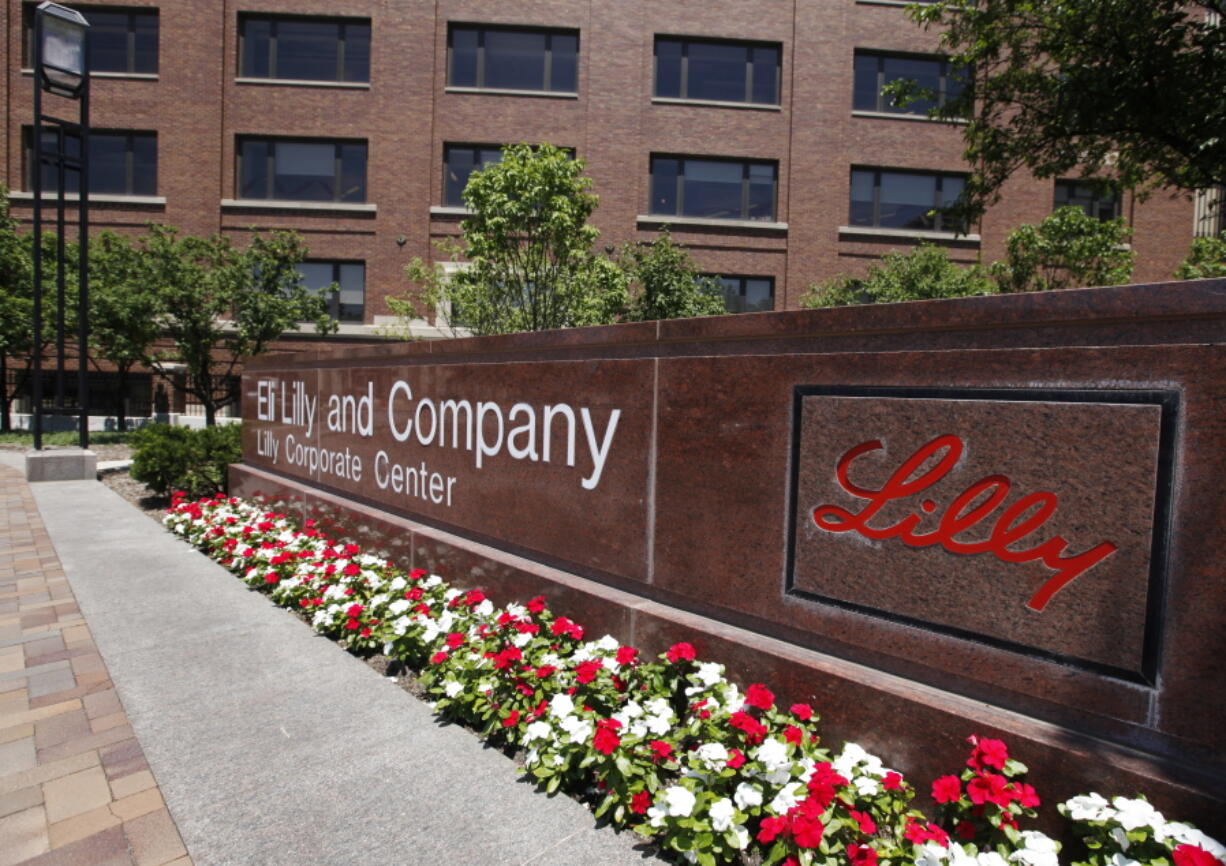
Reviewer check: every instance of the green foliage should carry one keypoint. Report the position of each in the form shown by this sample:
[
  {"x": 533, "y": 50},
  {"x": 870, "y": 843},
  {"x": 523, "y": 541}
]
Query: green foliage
[
  {"x": 665, "y": 283},
  {"x": 920, "y": 274},
  {"x": 176, "y": 458},
  {"x": 1132, "y": 91},
  {"x": 1207, "y": 258},
  {"x": 220, "y": 305},
  {"x": 1068, "y": 249}
]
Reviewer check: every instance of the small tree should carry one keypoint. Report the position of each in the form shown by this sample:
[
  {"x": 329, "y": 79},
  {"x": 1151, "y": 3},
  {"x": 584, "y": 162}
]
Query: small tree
[
  {"x": 16, "y": 305},
  {"x": 1068, "y": 249},
  {"x": 921, "y": 274},
  {"x": 124, "y": 309},
  {"x": 529, "y": 250},
  {"x": 220, "y": 306},
  {"x": 1207, "y": 258},
  {"x": 665, "y": 282}
]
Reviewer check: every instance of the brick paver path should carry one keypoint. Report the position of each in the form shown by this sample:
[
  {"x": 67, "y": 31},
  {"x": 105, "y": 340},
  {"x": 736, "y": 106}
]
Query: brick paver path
[{"x": 74, "y": 785}]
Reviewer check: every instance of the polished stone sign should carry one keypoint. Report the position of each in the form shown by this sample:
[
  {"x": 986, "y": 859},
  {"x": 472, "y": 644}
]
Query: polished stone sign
[{"x": 996, "y": 515}]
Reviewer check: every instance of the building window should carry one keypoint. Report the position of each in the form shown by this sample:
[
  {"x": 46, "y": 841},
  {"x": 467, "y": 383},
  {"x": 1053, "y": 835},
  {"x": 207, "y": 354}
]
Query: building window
[
  {"x": 499, "y": 58},
  {"x": 748, "y": 294},
  {"x": 904, "y": 199},
  {"x": 342, "y": 284},
  {"x": 717, "y": 71},
  {"x": 713, "y": 188},
  {"x": 120, "y": 162},
  {"x": 304, "y": 49},
  {"x": 460, "y": 161},
  {"x": 874, "y": 71},
  {"x": 1100, "y": 203},
  {"x": 298, "y": 170},
  {"x": 120, "y": 40}
]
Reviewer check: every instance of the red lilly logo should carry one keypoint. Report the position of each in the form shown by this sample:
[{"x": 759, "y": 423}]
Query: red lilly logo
[{"x": 1018, "y": 521}]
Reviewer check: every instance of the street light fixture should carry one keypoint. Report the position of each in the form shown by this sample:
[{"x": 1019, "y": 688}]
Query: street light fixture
[{"x": 62, "y": 49}]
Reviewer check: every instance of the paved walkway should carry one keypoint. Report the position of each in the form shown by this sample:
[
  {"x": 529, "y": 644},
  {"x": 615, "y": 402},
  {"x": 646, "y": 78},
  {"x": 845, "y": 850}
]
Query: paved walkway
[
  {"x": 74, "y": 784},
  {"x": 268, "y": 744}
]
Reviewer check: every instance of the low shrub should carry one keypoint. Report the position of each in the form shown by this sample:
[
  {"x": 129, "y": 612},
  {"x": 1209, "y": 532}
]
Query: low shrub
[{"x": 197, "y": 462}]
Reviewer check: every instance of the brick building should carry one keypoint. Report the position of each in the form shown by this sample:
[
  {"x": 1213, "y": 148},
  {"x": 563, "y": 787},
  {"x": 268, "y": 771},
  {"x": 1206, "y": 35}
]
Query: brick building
[{"x": 756, "y": 131}]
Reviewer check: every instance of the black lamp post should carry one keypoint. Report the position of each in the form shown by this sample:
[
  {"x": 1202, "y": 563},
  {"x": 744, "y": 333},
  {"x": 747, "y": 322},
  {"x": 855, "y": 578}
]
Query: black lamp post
[{"x": 61, "y": 67}]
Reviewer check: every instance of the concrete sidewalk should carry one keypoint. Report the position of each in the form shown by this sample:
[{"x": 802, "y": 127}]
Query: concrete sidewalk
[{"x": 270, "y": 744}]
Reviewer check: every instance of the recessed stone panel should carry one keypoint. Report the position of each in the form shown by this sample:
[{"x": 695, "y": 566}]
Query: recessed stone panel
[{"x": 1022, "y": 519}]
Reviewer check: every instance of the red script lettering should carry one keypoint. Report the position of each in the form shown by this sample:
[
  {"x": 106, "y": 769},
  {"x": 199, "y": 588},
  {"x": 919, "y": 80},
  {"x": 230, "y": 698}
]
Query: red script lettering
[{"x": 1019, "y": 520}]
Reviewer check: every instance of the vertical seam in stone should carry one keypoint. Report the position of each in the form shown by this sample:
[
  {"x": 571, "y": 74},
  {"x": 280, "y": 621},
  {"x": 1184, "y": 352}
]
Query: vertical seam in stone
[{"x": 651, "y": 471}]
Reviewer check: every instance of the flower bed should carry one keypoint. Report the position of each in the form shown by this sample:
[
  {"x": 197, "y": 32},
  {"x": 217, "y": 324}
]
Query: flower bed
[{"x": 666, "y": 746}]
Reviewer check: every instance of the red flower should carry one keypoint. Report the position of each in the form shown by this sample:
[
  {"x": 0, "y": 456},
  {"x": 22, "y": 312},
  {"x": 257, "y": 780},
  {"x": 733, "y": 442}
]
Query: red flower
[
  {"x": 824, "y": 782},
  {"x": 1007, "y": 820},
  {"x": 806, "y": 829},
  {"x": 987, "y": 787},
  {"x": 681, "y": 652},
  {"x": 626, "y": 655},
  {"x": 1193, "y": 855},
  {"x": 511, "y": 720},
  {"x": 770, "y": 828},
  {"x": 892, "y": 781},
  {"x": 365, "y": 632},
  {"x": 987, "y": 753},
  {"x": 272, "y": 577},
  {"x": 793, "y": 734},
  {"x": 503, "y": 659},
  {"x": 753, "y": 729},
  {"x": 352, "y": 624},
  {"x": 919, "y": 833},
  {"x": 545, "y": 671},
  {"x": 736, "y": 759},
  {"x": 474, "y": 597},
  {"x": 536, "y": 605},
  {"x": 758, "y": 695},
  {"x": 947, "y": 789},
  {"x": 861, "y": 855},
  {"x": 866, "y": 822},
  {"x": 455, "y": 639},
  {"x": 804, "y": 712},
  {"x": 640, "y": 802},
  {"x": 1027, "y": 795},
  {"x": 663, "y": 751},
  {"x": 352, "y": 570},
  {"x": 562, "y": 626},
  {"x": 605, "y": 740},
  {"x": 414, "y": 594},
  {"x": 585, "y": 672},
  {"x": 438, "y": 658}
]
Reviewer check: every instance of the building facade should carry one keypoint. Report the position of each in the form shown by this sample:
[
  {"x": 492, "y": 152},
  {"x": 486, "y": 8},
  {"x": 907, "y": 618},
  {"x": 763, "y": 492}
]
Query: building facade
[{"x": 757, "y": 132}]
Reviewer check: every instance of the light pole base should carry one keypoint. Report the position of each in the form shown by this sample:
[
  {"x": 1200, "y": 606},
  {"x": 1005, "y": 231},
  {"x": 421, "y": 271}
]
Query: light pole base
[{"x": 61, "y": 464}]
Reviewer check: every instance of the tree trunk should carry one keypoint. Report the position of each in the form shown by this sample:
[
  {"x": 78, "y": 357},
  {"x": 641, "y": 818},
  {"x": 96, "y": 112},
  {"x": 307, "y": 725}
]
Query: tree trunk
[
  {"x": 6, "y": 402},
  {"x": 121, "y": 414}
]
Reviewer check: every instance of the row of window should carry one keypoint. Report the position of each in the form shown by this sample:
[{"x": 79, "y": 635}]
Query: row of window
[
  {"x": 506, "y": 58},
  {"x": 275, "y": 169}
]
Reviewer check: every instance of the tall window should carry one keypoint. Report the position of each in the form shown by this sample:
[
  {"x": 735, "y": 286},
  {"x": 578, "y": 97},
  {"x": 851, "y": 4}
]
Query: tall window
[
  {"x": 120, "y": 40},
  {"x": 460, "y": 161},
  {"x": 748, "y": 294},
  {"x": 500, "y": 58},
  {"x": 717, "y": 71},
  {"x": 298, "y": 170},
  {"x": 342, "y": 284},
  {"x": 120, "y": 162},
  {"x": 903, "y": 199},
  {"x": 713, "y": 188},
  {"x": 305, "y": 49},
  {"x": 1103, "y": 204},
  {"x": 874, "y": 71}
]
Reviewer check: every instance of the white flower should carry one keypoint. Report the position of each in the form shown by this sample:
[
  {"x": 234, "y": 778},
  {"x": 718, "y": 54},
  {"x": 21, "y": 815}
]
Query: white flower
[
  {"x": 1120, "y": 860},
  {"x": 866, "y": 786},
  {"x": 1036, "y": 850},
  {"x": 1191, "y": 836},
  {"x": 484, "y": 609},
  {"x": 446, "y": 620},
  {"x": 584, "y": 653},
  {"x": 1089, "y": 807},
  {"x": 398, "y": 583},
  {"x": 788, "y": 796},
  {"x": 659, "y": 707},
  {"x": 742, "y": 837},
  {"x": 561, "y": 705},
  {"x": 747, "y": 795},
  {"x": 1135, "y": 813},
  {"x": 773, "y": 755},
  {"x": 579, "y": 730},
  {"x": 656, "y": 815},
  {"x": 712, "y": 755},
  {"x": 516, "y": 610},
  {"x": 659, "y": 725},
  {"x": 679, "y": 801},
  {"x": 432, "y": 581},
  {"x": 931, "y": 854},
  {"x": 608, "y": 643},
  {"x": 521, "y": 638},
  {"x": 709, "y": 673},
  {"x": 854, "y": 756},
  {"x": 721, "y": 813},
  {"x": 450, "y": 594},
  {"x": 537, "y": 731},
  {"x": 632, "y": 710},
  {"x": 451, "y": 688},
  {"x": 1120, "y": 838},
  {"x": 398, "y": 607},
  {"x": 990, "y": 858}
]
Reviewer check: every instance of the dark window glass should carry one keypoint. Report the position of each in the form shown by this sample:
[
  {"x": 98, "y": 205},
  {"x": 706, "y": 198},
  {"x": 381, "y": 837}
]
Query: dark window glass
[
  {"x": 342, "y": 284},
  {"x": 304, "y": 49},
  {"x": 713, "y": 189},
  {"x": 903, "y": 199},
  {"x": 874, "y": 71},
  {"x": 717, "y": 71},
  {"x": 460, "y": 161},
  {"x": 120, "y": 163},
  {"x": 513, "y": 59},
  {"x": 301, "y": 170},
  {"x": 120, "y": 40},
  {"x": 748, "y": 294},
  {"x": 1102, "y": 204}
]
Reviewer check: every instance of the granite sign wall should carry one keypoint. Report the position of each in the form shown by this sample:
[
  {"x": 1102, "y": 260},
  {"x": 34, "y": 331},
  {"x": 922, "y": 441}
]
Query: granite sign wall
[{"x": 997, "y": 514}]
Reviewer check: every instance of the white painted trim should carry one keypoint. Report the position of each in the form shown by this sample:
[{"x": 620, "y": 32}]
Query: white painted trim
[
  {"x": 697, "y": 222},
  {"x": 548, "y": 94},
  {"x": 22, "y": 195},
  {"x": 277, "y": 204},
  {"x": 889, "y": 115},
  {"x": 136, "y": 76},
  {"x": 715, "y": 103},
  {"x": 303, "y": 82},
  {"x": 916, "y": 234},
  {"x": 450, "y": 210}
]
